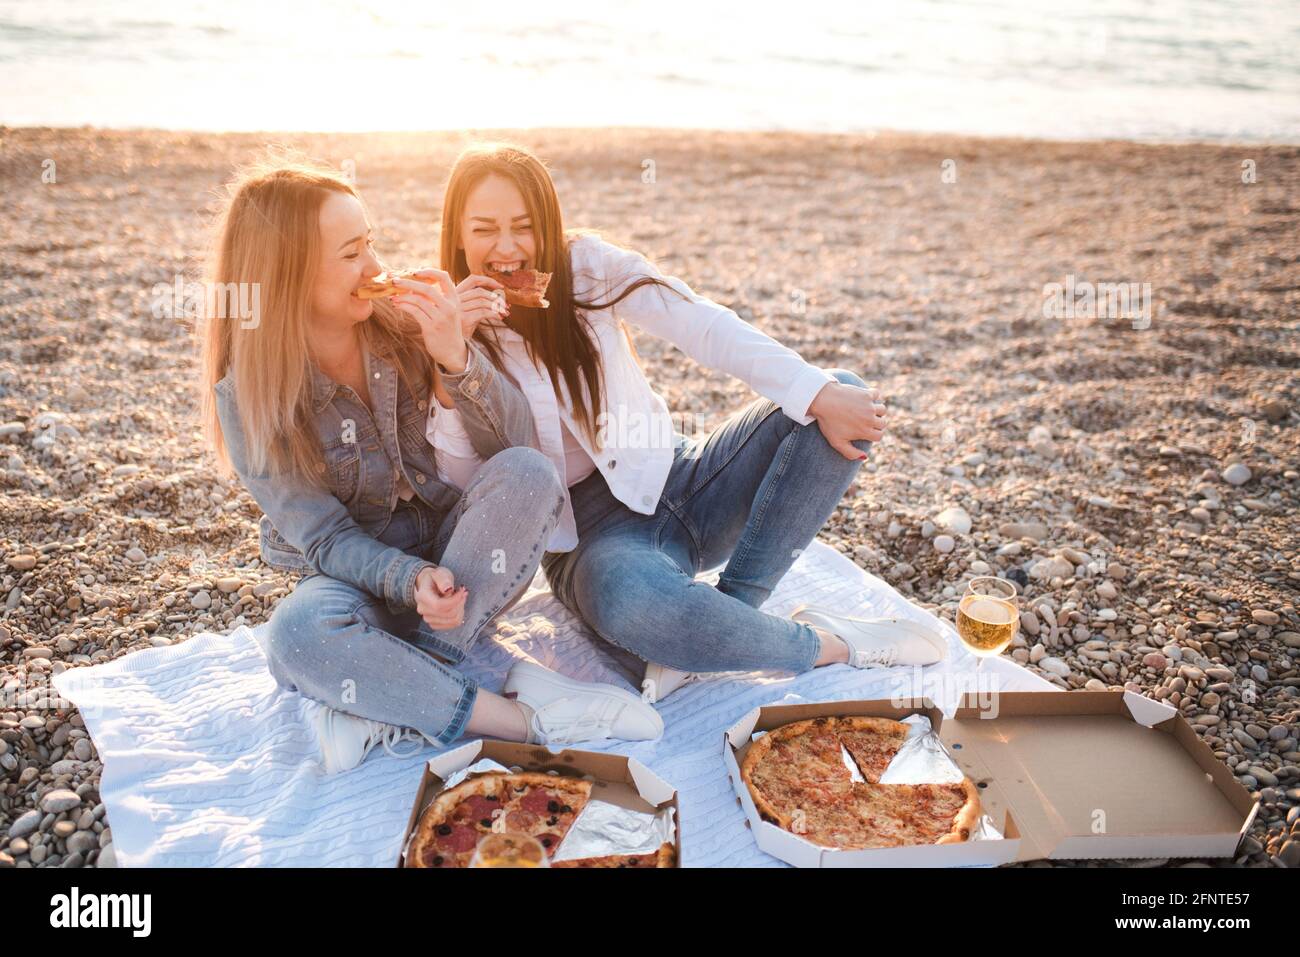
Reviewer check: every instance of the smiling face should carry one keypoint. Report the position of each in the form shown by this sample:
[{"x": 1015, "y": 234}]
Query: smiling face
[
  {"x": 347, "y": 260},
  {"x": 496, "y": 231}
]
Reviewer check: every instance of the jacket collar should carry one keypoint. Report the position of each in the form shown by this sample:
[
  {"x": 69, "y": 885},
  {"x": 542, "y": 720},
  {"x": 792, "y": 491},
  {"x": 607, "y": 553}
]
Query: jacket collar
[{"x": 322, "y": 388}]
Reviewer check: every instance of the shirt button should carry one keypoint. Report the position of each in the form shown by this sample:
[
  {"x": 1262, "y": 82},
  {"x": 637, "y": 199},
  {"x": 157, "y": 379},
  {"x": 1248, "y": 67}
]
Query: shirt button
[
  {"x": 471, "y": 387},
  {"x": 612, "y": 463},
  {"x": 423, "y": 405},
  {"x": 646, "y": 500},
  {"x": 376, "y": 375},
  {"x": 419, "y": 479}
]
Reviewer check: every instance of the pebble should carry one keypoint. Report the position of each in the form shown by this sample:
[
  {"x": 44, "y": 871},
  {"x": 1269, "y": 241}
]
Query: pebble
[
  {"x": 1056, "y": 666},
  {"x": 228, "y": 585},
  {"x": 1155, "y": 660},
  {"x": 1265, "y": 617},
  {"x": 26, "y": 824},
  {"x": 1055, "y": 567},
  {"x": 955, "y": 519},
  {"x": 1107, "y": 590},
  {"x": 944, "y": 543},
  {"x": 1034, "y": 530},
  {"x": 22, "y": 563},
  {"x": 1236, "y": 474},
  {"x": 82, "y": 842},
  {"x": 1264, "y": 777},
  {"x": 200, "y": 600},
  {"x": 59, "y": 800},
  {"x": 136, "y": 555}
]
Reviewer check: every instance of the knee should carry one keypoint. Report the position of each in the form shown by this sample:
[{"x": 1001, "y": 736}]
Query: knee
[
  {"x": 845, "y": 377},
  {"x": 526, "y": 470},
  {"x": 301, "y": 621}
]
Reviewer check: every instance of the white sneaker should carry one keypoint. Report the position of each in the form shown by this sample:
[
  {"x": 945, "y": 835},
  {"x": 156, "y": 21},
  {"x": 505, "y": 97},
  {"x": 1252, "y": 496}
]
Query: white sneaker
[
  {"x": 879, "y": 642},
  {"x": 660, "y": 681},
  {"x": 566, "y": 711},
  {"x": 345, "y": 739}
]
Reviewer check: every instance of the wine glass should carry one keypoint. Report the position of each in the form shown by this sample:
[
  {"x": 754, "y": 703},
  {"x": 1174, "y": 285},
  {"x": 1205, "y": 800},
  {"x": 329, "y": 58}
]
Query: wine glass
[
  {"x": 509, "y": 849},
  {"x": 988, "y": 617}
]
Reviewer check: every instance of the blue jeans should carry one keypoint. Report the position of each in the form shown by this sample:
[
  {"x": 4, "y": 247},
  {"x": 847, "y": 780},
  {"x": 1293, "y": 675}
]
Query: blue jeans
[
  {"x": 752, "y": 494},
  {"x": 346, "y": 648}
]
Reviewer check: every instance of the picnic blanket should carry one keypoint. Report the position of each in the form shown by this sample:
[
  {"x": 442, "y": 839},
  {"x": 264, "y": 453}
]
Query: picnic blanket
[{"x": 208, "y": 762}]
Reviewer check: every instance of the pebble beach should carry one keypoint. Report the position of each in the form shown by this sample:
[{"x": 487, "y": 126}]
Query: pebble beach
[{"x": 1137, "y": 474}]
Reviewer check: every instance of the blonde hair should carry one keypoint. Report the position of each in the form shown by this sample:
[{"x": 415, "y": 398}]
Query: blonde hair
[{"x": 268, "y": 233}]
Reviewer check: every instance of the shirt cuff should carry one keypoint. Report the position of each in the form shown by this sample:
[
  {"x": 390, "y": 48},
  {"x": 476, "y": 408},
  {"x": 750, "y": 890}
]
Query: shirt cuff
[
  {"x": 469, "y": 382},
  {"x": 402, "y": 597},
  {"x": 802, "y": 391}
]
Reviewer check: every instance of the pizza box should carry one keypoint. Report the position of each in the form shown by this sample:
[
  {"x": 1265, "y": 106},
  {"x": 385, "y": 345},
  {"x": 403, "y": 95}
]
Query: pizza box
[
  {"x": 618, "y": 780},
  {"x": 1063, "y": 775}
]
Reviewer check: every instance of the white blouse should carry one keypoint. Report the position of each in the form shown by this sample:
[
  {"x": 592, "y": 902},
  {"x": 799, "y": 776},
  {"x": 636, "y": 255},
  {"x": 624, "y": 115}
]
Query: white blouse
[{"x": 636, "y": 431}]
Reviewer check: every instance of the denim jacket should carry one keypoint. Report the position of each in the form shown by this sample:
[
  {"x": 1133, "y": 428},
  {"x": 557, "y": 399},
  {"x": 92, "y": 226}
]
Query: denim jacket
[{"x": 335, "y": 530}]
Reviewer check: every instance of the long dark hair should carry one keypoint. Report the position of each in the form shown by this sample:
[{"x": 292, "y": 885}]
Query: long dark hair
[{"x": 559, "y": 335}]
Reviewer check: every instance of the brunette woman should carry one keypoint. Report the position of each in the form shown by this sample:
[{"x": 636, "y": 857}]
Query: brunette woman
[{"x": 646, "y": 509}]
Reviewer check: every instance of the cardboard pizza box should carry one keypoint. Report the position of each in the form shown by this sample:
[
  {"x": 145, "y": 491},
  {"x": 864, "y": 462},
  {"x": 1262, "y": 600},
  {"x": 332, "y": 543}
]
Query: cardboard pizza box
[
  {"x": 619, "y": 780},
  {"x": 1063, "y": 775}
]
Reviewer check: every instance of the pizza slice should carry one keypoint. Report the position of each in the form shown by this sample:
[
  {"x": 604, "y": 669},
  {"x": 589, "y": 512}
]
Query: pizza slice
[
  {"x": 452, "y": 825},
  {"x": 383, "y": 286},
  {"x": 665, "y": 856},
  {"x": 523, "y": 287},
  {"x": 544, "y": 806},
  {"x": 895, "y": 815},
  {"x": 871, "y": 742}
]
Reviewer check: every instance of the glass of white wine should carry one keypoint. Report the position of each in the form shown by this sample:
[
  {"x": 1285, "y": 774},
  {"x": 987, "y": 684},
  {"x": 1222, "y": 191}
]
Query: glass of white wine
[
  {"x": 509, "y": 849},
  {"x": 988, "y": 617}
]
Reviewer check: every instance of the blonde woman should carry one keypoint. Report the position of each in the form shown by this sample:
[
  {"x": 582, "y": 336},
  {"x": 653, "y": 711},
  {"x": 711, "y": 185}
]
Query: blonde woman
[
  {"x": 645, "y": 509},
  {"x": 320, "y": 406}
]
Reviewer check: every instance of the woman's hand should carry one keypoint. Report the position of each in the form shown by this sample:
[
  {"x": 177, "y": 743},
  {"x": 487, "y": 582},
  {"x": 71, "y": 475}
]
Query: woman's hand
[
  {"x": 846, "y": 413},
  {"x": 436, "y": 308},
  {"x": 481, "y": 298},
  {"x": 440, "y": 603}
]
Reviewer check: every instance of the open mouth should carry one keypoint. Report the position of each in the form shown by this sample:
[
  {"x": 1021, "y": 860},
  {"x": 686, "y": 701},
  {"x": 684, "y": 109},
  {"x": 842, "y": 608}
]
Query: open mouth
[{"x": 505, "y": 268}]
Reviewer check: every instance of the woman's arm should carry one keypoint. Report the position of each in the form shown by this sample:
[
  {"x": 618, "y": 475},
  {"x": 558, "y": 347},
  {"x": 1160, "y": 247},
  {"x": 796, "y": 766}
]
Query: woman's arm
[
  {"x": 494, "y": 411},
  {"x": 711, "y": 334},
  {"x": 317, "y": 524}
]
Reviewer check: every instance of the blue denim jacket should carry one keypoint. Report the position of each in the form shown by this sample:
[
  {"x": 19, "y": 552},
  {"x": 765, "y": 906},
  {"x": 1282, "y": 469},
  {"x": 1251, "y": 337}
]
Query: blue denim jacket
[{"x": 335, "y": 530}]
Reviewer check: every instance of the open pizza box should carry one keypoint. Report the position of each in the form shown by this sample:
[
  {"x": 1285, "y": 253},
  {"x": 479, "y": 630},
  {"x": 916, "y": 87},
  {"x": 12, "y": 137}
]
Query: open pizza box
[
  {"x": 1067, "y": 775},
  {"x": 619, "y": 780}
]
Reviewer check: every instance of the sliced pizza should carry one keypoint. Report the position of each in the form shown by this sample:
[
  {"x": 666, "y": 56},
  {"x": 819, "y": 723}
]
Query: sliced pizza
[
  {"x": 798, "y": 780},
  {"x": 665, "y": 856}
]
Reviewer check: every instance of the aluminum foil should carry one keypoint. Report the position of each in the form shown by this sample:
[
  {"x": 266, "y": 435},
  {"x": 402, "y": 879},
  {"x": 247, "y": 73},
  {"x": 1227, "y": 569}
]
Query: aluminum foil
[
  {"x": 921, "y": 760},
  {"x": 601, "y": 828}
]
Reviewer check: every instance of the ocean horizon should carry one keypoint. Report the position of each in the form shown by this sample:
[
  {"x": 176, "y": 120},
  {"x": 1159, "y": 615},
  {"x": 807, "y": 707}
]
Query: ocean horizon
[{"x": 1190, "y": 70}]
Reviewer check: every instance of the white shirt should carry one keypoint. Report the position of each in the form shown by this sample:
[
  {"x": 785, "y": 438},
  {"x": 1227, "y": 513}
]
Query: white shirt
[
  {"x": 577, "y": 463},
  {"x": 636, "y": 430}
]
